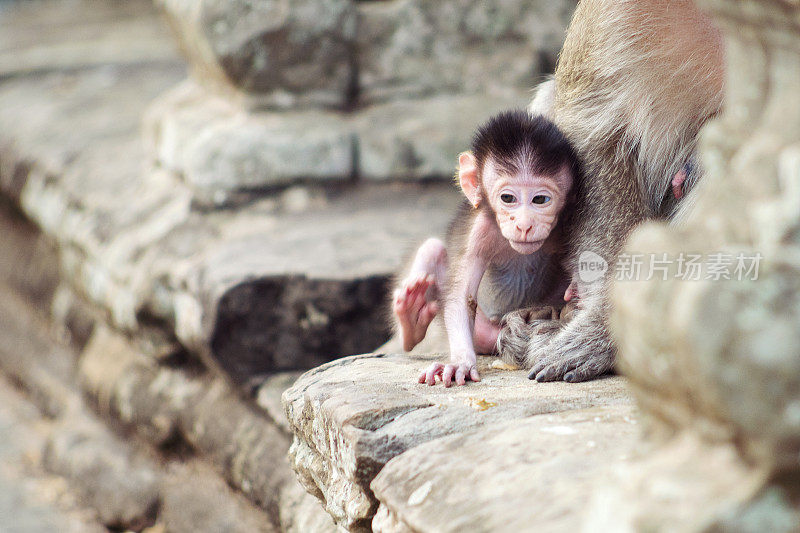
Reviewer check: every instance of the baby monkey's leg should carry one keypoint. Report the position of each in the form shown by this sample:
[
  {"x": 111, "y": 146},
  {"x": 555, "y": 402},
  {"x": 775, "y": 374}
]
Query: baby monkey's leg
[
  {"x": 416, "y": 299},
  {"x": 485, "y": 334},
  {"x": 485, "y": 342}
]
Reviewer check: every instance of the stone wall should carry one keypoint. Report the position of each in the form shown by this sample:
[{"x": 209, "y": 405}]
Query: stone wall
[
  {"x": 343, "y": 90},
  {"x": 345, "y": 54},
  {"x": 717, "y": 378}
]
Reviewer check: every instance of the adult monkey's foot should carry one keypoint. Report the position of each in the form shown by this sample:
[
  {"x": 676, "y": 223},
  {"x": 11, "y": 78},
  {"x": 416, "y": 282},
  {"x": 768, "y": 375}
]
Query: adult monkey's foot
[
  {"x": 521, "y": 329},
  {"x": 580, "y": 351}
]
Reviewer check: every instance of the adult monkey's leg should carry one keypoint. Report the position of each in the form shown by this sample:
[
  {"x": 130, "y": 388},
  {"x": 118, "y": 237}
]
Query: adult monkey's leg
[{"x": 636, "y": 80}]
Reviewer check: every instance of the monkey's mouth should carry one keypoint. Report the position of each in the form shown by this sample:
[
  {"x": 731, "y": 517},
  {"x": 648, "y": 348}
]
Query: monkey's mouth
[{"x": 526, "y": 247}]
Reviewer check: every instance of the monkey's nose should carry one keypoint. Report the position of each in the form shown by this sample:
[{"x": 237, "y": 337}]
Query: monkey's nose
[{"x": 524, "y": 228}]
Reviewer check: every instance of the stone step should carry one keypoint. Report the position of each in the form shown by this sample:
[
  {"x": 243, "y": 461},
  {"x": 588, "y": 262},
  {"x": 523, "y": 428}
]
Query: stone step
[
  {"x": 360, "y": 416},
  {"x": 536, "y": 473},
  {"x": 288, "y": 280},
  {"x": 31, "y": 500},
  {"x": 226, "y": 156},
  {"x": 169, "y": 415},
  {"x": 40, "y": 36},
  {"x": 349, "y": 53}
]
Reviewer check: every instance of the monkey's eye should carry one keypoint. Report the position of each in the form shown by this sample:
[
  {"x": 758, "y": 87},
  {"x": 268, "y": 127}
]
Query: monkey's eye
[
  {"x": 541, "y": 199},
  {"x": 507, "y": 198}
]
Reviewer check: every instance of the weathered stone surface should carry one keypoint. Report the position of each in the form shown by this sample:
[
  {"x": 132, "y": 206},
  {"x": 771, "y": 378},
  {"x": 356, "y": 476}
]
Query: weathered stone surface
[
  {"x": 163, "y": 404},
  {"x": 42, "y": 36},
  {"x": 288, "y": 54},
  {"x": 269, "y": 395},
  {"x": 353, "y": 415},
  {"x": 66, "y": 188},
  {"x": 220, "y": 151},
  {"x": 421, "y": 139},
  {"x": 300, "y": 512},
  {"x": 32, "y": 268},
  {"x": 28, "y": 356},
  {"x": 686, "y": 485},
  {"x": 109, "y": 475},
  {"x": 196, "y": 499},
  {"x": 225, "y": 155},
  {"x": 237, "y": 286},
  {"x": 337, "y": 53},
  {"x": 112, "y": 480},
  {"x": 535, "y": 473},
  {"x": 167, "y": 406},
  {"x": 418, "y": 47},
  {"x": 32, "y": 501}
]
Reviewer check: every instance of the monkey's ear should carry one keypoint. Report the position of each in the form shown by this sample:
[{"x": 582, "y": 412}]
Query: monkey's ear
[{"x": 468, "y": 177}]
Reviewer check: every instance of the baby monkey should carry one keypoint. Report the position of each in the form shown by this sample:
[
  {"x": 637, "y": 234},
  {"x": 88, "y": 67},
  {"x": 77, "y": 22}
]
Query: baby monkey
[{"x": 503, "y": 249}]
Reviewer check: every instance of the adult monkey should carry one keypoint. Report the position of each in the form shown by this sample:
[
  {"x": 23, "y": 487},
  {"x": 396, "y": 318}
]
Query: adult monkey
[{"x": 635, "y": 82}]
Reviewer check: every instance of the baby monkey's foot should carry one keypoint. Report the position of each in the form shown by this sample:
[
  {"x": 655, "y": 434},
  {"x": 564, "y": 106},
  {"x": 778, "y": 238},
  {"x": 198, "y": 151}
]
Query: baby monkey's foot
[
  {"x": 461, "y": 372},
  {"x": 414, "y": 311}
]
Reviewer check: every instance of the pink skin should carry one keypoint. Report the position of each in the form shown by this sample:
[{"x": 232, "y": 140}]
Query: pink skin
[
  {"x": 526, "y": 208},
  {"x": 485, "y": 335},
  {"x": 415, "y": 307},
  {"x": 571, "y": 292},
  {"x": 413, "y": 310},
  {"x": 484, "y": 339},
  {"x": 677, "y": 183}
]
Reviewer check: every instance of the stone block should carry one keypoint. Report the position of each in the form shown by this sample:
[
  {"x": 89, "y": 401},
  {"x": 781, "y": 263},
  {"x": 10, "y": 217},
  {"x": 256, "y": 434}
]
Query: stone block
[
  {"x": 282, "y": 54},
  {"x": 413, "y": 48},
  {"x": 535, "y": 473},
  {"x": 109, "y": 478},
  {"x": 226, "y": 156},
  {"x": 196, "y": 499},
  {"x": 220, "y": 151},
  {"x": 421, "y": 139},
  {"x": 353, "y": 415}
]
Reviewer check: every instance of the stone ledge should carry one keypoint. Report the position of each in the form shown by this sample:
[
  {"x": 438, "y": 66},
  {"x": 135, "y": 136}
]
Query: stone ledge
[
  {"x": 352, "y": 416},
  {"x": 41, "y": 36},
  {"x": 33, "y": 500},
  {"x": 211, "y": 280},
  {"x": 226, "y": 155},
  {"x": 120, "y": 478},
  {"x": 345, "y": 53},
  {"x": 166, "y": 406},
  {"x": 108, "y": 475},
  {"x": 536, "y": 473},
  {"x": 171, "y": 409},
  {"x": 195, "y": 498}
]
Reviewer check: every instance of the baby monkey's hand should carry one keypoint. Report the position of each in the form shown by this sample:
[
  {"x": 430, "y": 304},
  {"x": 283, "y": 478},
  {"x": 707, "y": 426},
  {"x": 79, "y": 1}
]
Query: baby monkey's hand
[{"x": 446, "y": 372}]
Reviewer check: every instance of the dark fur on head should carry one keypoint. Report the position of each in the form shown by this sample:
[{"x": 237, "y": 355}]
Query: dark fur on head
[{"x": 509, "y": 134}]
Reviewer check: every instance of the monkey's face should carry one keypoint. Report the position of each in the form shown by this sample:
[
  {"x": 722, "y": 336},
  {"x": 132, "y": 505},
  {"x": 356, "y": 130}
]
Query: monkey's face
[{"x": 527, "y": 207}]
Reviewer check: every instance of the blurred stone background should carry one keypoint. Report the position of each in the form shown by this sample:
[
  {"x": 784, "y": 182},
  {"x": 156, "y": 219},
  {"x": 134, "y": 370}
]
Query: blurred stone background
[
  {"x": 200, "y": 199},
  {"x": 183, "y": 234}
]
